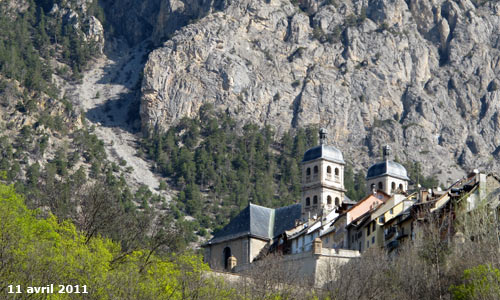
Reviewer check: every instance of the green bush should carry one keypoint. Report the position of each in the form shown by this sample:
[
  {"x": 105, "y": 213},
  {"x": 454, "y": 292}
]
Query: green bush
[{"x": 480, "y": 282}]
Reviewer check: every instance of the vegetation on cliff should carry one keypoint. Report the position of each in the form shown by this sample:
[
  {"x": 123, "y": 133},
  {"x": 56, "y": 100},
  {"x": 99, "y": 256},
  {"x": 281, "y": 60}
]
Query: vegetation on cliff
[
  {"x": 219, "y": 166},
  {"x": 33, "y": 35}
]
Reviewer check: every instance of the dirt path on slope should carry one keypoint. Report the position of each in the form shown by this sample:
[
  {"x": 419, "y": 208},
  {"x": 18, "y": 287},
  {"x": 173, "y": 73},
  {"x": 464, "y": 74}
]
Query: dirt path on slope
[{"x": 108, "y": 94}]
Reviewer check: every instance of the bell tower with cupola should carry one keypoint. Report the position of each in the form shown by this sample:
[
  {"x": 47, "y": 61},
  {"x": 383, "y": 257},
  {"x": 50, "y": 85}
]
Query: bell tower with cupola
[
  {"x": 322, "y": 179},
  {"x": 387, "y": 176}
]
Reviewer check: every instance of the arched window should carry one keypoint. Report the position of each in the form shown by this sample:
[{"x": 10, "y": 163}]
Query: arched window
[
  {"x": 308, "y": 171},
  {"x": 315, "y": 200},
  {"x": 308, "y": 201},
  {"x": 401, "y": 187},
  {"x": 393, "y": 186},
  {"x": 380, "y": 186},
  {"x": 315, "y": 169},
  {"x": 372, "y": 186},
  {"x": 336, "y": 171},
  {"x": 329, "y": 170},
  {"x": 226, "y": 253},
  {"x": 337, "y": 201},
  {"x": 329, "y": 200}
]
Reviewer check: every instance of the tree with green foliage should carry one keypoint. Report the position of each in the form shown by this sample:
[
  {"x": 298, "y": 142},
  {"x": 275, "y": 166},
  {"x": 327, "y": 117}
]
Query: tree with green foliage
[
  {"x": 38, "y": 250},
  {"x": 354, "y": 183},
  {"x": 481, "y": 282}
]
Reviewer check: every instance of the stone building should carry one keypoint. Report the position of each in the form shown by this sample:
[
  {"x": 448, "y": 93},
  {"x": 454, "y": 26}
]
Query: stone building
[{"x": 247, "y": 235}]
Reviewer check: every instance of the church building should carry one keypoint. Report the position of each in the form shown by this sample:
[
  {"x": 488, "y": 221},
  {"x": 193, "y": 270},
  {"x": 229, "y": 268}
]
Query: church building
[
  {"x": 248, "y": 234},
  {"x": 295, "y": 229}
]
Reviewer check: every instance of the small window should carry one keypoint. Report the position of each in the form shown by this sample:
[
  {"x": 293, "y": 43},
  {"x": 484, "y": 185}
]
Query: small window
[
  {"x": 336, "y": 171},
  {"x": 308, "y": 201},
  {"x": 329, "y": 170},
  {"x": 315, "y": 200},
  {"x": 337, "y": 201},
  {"x": 373, "y": 226},
  {"x": 402, "y": 231},
  {"x": 308, "y": 171},
  {"x": 393, "y": 186},
  {"x": 401, "y": 187},
  {"x": 368, "y": 231},
  {"x": 329, "y": 200},
  {"x": 381, "y": 220},
  {"x": 380, "y": 186},
  {"x": 315, "y": 169},
  {"x": 391, "y": 211},
  {"x": 326, "y": 240},
  {"x": 373, "y": 240}
]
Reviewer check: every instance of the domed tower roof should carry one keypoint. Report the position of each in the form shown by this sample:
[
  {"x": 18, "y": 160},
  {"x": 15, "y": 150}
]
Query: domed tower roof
[
  {"x": 387, "y": 167},
  {"x": 324, "y": 151}
]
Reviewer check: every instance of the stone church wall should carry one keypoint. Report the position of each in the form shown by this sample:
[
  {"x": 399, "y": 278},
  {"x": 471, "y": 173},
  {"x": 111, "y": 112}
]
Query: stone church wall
[{"x": 243, "y": 249}]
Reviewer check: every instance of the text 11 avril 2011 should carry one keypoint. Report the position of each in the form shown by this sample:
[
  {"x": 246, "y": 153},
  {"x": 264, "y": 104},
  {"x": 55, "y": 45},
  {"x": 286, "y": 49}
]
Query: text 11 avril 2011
[{"x": 48, "y": 289}]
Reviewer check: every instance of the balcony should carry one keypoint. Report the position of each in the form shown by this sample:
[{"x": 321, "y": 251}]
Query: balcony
[
  {"x": 389, "y": 233},
  {"x": 392, "y": 245}
]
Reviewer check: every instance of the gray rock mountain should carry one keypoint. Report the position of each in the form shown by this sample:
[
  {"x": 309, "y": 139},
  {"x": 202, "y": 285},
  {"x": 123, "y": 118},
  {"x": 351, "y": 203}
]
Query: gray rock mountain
[{"x": 420, "y": 75}]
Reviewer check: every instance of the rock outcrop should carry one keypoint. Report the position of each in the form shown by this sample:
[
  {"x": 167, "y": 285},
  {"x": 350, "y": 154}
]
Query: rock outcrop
[
  {"x": 419, "y": 75},
  {"x": 77, "y": 15}
]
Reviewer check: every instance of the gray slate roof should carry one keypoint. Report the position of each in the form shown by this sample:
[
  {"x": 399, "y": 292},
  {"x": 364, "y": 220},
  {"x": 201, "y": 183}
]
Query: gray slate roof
[
  {"x": 326, "y": 152},
  {"x": 387, "y": 167},
  {"x": 258, "y": 221},
  {"x": 348, "y": 200}
]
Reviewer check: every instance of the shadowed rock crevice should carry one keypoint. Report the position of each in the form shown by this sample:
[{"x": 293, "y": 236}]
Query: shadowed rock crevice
[{"x": 297, "y": 102}]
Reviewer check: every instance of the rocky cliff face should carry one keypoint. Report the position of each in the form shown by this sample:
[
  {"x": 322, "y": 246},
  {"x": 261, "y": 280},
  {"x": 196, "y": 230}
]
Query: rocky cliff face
[{"x": 419, "y": 75}]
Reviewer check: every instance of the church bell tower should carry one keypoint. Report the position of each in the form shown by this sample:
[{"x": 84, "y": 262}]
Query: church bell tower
[
  {"x": 387, "y": 176},
  {"x": 322, "y": 179}
]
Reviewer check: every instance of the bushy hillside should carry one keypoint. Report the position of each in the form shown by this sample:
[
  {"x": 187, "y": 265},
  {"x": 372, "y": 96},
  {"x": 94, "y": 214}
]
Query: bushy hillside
[{"x": 48, "y": 150}]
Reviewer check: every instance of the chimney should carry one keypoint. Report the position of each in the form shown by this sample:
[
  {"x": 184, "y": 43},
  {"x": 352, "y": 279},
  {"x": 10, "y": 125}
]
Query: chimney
[{"x": 317, "y": 246}]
